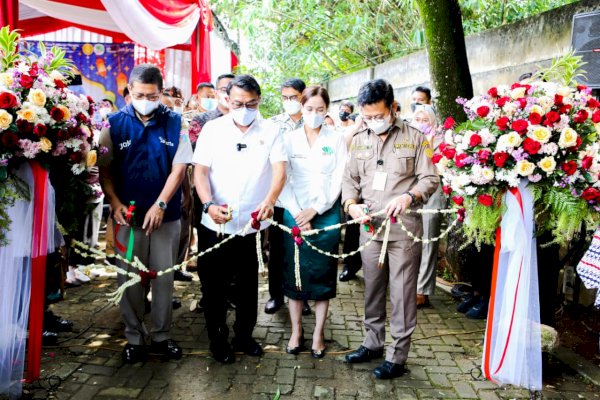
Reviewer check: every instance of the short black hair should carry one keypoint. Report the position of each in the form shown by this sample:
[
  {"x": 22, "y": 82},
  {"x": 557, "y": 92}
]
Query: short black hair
[
  {"x": 146, "y": 74},
  {"x": 424, "y": 89},
  {"x": 245, "y": 82},
  {"x": 126, "y": 92},
  {"x": 375, "y": 91},
  {"x": 224, "y": 76},
  {"x": 294, "y": 83},
  {"x": 110, "y": 101},
  {"x": 173, "y": 91},
  {"x": 348, "y": 104},
  {"x": 203, "y": 85}
]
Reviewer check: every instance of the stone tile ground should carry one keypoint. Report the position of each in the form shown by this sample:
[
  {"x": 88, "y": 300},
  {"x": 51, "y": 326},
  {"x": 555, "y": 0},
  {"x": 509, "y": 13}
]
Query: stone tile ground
[{"x": 443, "y": 360}]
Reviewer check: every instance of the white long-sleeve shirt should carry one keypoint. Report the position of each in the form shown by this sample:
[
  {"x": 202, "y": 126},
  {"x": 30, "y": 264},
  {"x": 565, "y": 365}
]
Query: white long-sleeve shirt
[{"x": 314, "y": 174}]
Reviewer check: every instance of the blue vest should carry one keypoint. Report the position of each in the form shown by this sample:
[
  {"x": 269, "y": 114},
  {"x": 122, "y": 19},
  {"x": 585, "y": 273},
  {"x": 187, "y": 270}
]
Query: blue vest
[{"x": 143, "y": 158}]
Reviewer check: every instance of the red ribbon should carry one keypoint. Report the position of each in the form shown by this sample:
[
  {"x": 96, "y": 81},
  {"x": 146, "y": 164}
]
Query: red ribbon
[
  {"x": 129, "y": 219},
  {"x": 38, "y": 270},
  {"x": 255, "y": 221},
  {"x": 146, "y": 276},
  {"x": 297, "y": 234}
]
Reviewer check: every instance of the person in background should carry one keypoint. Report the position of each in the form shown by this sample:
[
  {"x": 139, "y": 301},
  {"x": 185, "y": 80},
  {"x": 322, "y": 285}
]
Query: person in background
[
  {"x": 205, "y": 97},
  {"x": 126, "y": 96},
  {"x": 329, "y": 121},
  {"x": 421, "y": 95},
  {"x": 388, "y": 169},
  {"x": 290, "y": 120},
  {"x": 317, "y": 156},
  {"x": 425, "y": 120},
  {"x": 239, "y": 170},
  {"x": 106, "y": 106},
  {"x": 346, "y": 111},
  {"x": 174, "y": 94},
  {"x": 145, "y": 163}
]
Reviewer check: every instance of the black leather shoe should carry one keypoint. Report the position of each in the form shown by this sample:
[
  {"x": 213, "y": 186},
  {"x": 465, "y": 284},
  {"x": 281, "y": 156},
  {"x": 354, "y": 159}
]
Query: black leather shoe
[
  {"x": 306, "y": 309},
  {"x": 389, "y": 370},
  {"x": 49, "y": 338},
  {"x": 176, "y": 303},
  {"x": 168, "y": 348},
  {"x": 468, "y": 302},
  {"x": 273, "y": 306},
  {"x": 182, "y": 276},
  {"x": 478, "y": 311},
  {"x": 134, "y": 353},
  {"x": 346, "y": 275},
  {"x": 317, "y": 353},
  {"x": 222, "y": 352},
  {"x": 298, "y": 349},
  {"x": 55, "y": 323},
  {"x": 362, "y": 354},
  {"x": 247, "y": 346}
]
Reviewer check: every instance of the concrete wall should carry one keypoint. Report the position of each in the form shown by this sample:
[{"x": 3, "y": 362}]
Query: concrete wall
[{"x": 497, "y": 56}]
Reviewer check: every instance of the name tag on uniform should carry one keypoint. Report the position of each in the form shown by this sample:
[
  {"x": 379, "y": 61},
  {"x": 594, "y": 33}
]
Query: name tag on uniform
[{"x": 379, "y": 181}]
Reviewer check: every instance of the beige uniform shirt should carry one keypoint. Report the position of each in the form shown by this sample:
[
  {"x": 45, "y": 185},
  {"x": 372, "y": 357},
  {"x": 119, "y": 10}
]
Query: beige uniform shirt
[{"x": 405, "y": 158}]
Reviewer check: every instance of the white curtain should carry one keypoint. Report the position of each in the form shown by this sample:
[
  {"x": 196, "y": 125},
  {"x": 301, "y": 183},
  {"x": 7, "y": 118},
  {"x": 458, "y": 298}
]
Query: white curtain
[{"x": 178, "y": 70}]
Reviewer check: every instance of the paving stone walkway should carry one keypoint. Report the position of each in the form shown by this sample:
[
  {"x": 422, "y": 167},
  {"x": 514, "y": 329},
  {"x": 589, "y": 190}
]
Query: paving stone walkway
[{"x": 443, "y": 360}]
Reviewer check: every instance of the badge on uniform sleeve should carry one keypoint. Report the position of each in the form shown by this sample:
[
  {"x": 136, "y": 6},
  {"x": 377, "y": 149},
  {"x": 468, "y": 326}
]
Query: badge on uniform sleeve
[
  {"x": 379, "y": 181},
  {"x": 428, "y": 149}
]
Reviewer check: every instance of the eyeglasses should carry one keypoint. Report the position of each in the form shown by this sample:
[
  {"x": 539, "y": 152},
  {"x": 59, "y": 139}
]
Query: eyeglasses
[
  {"x": 290, "y": 98},
  {"x": 222, "y": 90},
  {"x": 150, "y": 97},
  {"x": 379, "y": 117},
  {"x": 253, "y": 104}
]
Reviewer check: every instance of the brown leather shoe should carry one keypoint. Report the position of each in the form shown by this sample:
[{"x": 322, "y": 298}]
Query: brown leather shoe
[{"x": 422, "y": 300}]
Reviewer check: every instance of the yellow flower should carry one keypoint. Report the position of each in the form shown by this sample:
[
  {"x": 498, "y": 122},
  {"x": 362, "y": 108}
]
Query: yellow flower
[
  {"x": 5, "y": 120},
  {"x": 568, "y": 138},
  {"x": 513, "y": 139},
  {"x": 525, "y": 168},
  {"x": 27, "y": 114},
  {"x": 540, "y": 133},
  {"x": 91, "y": 158},
  {"x": 547, "y": 164},
  {"x": 64, "y": 110},
  {"x": 517, "y": 93},
  {"x": 45, "y": 144},
  {"x": 537, "y": 109},
  {"x": 37, "y": 97},
  {"x": 6, "y": 79}
]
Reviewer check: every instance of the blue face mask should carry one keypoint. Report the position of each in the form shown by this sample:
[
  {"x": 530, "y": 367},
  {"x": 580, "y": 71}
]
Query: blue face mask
[{"x": 208, "y": 104}]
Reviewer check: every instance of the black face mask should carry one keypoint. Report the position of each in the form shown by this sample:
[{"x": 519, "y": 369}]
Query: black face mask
[
  {"x": 413, "y": 106},
  {"x": 344, "y": 115}
]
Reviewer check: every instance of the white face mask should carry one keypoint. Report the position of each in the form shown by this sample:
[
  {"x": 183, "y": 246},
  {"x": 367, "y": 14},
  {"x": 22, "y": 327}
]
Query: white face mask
[
  {"x": 178, "y": 109},
  {"x": 379, "y": 126},
  {"x": 223, "y": 99},
  {"x": 291, "y": 107},
  {"x": 208, "y": 104},
  {"x": 244, "y": 116},
  {"x": 313, "y": 120},
  {"x": 144, "y": 106}
]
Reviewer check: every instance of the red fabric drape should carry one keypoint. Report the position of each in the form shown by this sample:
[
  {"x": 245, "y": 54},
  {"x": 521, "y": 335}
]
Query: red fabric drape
[
  {"x": 171, "y": 12},
  {"x": 9, "y": 13},
  {"x": 234, "y": 61},
  {"x": 201, "y": 68},
  {"x": 41, "y": 25},
  {"x": 93, "y": 4}
]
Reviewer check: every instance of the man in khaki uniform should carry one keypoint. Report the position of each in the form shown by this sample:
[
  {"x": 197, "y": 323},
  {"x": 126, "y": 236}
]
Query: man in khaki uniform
[{"x": 389, "y": 168}]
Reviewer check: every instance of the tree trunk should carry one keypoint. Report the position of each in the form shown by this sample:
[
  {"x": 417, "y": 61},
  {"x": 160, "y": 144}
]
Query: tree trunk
[{"x": 448, "y": 64}]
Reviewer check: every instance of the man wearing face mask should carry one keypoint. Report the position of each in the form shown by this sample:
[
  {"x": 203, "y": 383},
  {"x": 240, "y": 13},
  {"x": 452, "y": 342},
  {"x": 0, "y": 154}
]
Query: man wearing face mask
[
  {"x": 239, "y": 169},
  {"x": 290, "y": 120},
  {"x": 389, "y": 169},
  {"x": 146, "y": 161},
  {"x": 346, "y": 110},
  {"x": 205, "y": 95},
  {"x": 421, "y": 95},
  {"x": 222, "y": 107}
]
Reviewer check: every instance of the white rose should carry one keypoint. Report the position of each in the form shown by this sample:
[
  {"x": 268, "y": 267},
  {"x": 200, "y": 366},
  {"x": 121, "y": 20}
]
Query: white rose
[
  {"x": 525, "y": 168},
  {"x": 517, "y": 93},
  {"x": 547, "y": 164},
  {"x": 539, "y": 133},
  {"x": 564, "y": 91},
  {"x": 568, "y": 138}
]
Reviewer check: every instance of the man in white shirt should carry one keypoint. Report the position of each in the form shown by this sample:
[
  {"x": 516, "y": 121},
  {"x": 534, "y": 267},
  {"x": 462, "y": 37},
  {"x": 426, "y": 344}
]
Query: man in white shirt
[{"x": 239, "y": 169}]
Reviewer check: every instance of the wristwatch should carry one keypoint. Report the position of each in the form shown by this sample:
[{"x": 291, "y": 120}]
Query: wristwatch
[
  {"x": 161, "y": 204},
  {"x": 206, "y": 206},
  {"x": 347, "y": 205},
  {"x": 412, "y": 196}
]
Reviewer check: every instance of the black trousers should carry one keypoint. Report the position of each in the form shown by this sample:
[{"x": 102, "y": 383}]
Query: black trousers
[
  {"x": 235, "y": 262},
  {"x": 276, "y": 257},
  {"x": 351, "y": 243}
]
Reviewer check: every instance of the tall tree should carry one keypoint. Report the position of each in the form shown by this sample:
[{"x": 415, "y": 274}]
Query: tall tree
[{"x": 447, "y": 53}]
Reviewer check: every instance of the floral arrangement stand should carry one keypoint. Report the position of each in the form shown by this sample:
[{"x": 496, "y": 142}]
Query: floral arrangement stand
[
  {"x": 527, "y": 161},
  {"x": 43, "y": 126}
]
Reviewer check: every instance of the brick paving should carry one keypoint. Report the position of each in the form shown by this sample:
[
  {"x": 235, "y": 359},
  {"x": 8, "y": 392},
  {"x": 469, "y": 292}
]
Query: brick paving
[{"x": 442, "y": 365}]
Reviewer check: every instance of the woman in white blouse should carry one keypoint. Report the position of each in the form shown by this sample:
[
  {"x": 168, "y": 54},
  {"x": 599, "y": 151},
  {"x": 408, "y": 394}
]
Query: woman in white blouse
[{"x": 317, "y": 155}]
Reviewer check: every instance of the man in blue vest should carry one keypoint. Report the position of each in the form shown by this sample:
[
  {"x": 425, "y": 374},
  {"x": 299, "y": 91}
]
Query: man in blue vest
[{"x": 145, "y": 163}]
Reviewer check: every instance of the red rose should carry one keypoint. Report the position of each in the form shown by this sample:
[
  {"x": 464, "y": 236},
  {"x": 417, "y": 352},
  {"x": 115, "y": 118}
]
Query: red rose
[
  {"x": 531, "y": 146},
  {"x": 449, "y": 153},
  {"x": 458, "y": 200},
  {"x": 587, "y": 162},
  {"x": 493, "y": 92},
  {"x": 436, "y": 158},
  {"x": 63, "y": 134},
  {"x": 500, "y": 159},
  {"x": 9, "y": 139},
  {"x": 26, "y": 81},
  {"x": 581, "y": 116},
  {"x": 565, "y": 109},
  {"x": 76, "y": 157},
  {"x": 515, "y": 85},
  {"x": 7, "y": 100},
  {"x": 82, "y": 118},
  {"x": 34, "y": 69},
  {"x": 484, "y": 155},
  {"x": 558, "y": 100},
  {"x": 591, "y": 194},
  {"x": 449, "y": 123},
  {"x": 569, "y": 167},
  {"x": 461, "y": 214},
  {"x": 519, "y": 125},
  {"x": 59, "y": 84},
  {"x": 460, "y": 160},
  {"x": 535, "y": 118},
  {"x": 40, "y": 130},
  {"x": 502, "y": 101},
  {"x": 486, "y": 200},
  {"x": 551, "y": 118},
  {"x": 442, "y": 147},
  {"x": 593, "y": 103},
  {"x": 447, "y": 190},
  {"x": 483, "y": 111},
  {"x": 596, "y": 117},
  {"x": 475, "y": 140},
  {"x": 57, "y": 114},
  {"x": 24, "y": 127},
  {"x": 502, "y": 123},
  {"x": 522, "y": 102},
  {"x": 581, "y": 88}
]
